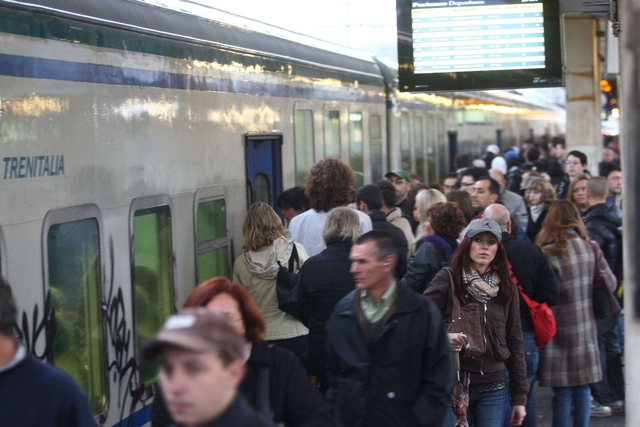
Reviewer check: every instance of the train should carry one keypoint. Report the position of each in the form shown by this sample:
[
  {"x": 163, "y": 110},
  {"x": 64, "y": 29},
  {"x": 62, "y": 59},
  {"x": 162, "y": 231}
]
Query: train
[{"x": 134, "y": 136}]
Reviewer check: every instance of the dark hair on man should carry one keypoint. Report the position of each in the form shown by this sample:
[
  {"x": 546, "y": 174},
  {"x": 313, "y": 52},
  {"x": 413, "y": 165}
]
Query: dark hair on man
[
  {"x": 462, "y": 161},
  {"x": 533, "y": 154},
  {"x": 371, "y": 196},
  {"x": 384, "y": 242},
  {"x": 295, "y": 199},
  {"x": 329, "y": 184},
  {"x": 416, "y": 176},
  {"x": 607, "y": 168},
  {"x": 540, "y": 166},
  {"x": 451, "y": 175},
  {"x": 475, "y": 172},
  {"x": 494, "y": 187},
  {"x": 388, "y": 193},
  {"x": 8, "y": 310},
  {"x": 559, "y": 141},
  {"x": 580, "y": 155}
]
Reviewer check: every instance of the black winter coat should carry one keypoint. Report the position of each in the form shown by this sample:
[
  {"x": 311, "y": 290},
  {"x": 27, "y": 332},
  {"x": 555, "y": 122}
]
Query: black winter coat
[
  {"x": 293, "y": 400},
  {"x": 428, "y": 259},
  {"x": 603, "y": 223},
  {"x": 534, "y": 273},
  {"x": 379, "y": 222},
  {"x": 403, "y": 379},
  {"x": 533, "y": 228},
  {"x": 324, "y": 280}
]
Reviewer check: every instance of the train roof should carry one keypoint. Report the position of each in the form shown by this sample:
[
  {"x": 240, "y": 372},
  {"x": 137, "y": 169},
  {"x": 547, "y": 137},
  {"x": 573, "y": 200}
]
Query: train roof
[{"x": 204, "y": 25}]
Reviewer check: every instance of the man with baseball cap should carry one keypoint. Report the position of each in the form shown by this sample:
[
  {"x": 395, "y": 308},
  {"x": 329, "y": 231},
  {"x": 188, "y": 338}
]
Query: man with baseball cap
[
  {"x": 201, "y": 359},
  {"x": 401, "y": 182}
]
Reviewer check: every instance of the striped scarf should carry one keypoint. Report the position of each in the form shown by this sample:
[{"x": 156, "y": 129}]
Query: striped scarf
[{"x": 481, "y": 288}]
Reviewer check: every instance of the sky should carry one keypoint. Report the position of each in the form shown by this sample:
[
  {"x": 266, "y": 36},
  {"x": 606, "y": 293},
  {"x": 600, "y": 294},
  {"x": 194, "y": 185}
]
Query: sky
[{"x": 368, "y": 25}]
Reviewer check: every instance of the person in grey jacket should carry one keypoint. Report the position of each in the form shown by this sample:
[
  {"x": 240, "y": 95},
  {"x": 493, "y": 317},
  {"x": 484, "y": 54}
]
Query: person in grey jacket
[{"x": 444, "y": 224}]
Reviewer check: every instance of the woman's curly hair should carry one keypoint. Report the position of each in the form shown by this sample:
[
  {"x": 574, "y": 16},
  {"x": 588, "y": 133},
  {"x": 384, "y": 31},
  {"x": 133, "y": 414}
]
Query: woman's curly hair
[
  {"x": 329, "y": 184},
  {"x": 446, "y": 219}
]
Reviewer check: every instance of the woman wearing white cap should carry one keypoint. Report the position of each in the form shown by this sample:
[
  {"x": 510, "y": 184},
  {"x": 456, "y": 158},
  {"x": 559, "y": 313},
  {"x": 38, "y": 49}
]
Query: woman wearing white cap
[{"x": 479, "y": 284}]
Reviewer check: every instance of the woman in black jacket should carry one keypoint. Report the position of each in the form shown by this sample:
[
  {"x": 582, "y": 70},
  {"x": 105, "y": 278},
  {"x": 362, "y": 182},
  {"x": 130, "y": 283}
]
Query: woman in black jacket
[
  {"x": 443, "y": 225},
  {"x": 324, "y": 280},
  {"x": 275, "y": 382}
]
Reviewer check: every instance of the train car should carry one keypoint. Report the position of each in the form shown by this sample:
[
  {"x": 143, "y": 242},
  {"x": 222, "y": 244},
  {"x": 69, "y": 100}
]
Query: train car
[{"x": 134, "y": 137}]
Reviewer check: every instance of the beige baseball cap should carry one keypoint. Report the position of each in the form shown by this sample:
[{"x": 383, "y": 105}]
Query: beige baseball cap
[{"x": 197, "y": 330}]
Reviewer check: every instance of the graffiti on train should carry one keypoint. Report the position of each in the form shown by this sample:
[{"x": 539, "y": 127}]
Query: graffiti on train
[
  {"x": 33, "y": 166},
  {"x": 122, "y": 366},
  {"x": 40, "y": 330}
]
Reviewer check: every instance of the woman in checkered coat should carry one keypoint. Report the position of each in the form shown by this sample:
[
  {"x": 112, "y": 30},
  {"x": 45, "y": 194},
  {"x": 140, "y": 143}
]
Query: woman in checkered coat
[{"x": 571, "y": 361}]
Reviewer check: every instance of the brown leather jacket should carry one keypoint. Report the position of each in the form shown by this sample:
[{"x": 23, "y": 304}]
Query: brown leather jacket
[{"x": 503, "y": 333}]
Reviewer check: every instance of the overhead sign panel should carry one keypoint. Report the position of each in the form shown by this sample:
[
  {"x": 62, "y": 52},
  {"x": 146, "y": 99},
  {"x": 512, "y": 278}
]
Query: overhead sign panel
[{"x": 478, "y": 44}]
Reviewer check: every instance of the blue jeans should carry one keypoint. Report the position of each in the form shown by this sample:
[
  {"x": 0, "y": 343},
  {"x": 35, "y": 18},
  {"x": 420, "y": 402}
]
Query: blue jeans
[
  {"x": 532, "y": 357},
  {"x": 487, "y": 409},
  {"x": 563, "y": 397}
]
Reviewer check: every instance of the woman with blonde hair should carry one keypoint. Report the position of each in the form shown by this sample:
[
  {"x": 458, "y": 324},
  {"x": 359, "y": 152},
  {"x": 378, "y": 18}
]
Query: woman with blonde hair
[
  {"x": 571, "y": 360},
  {"x": 539, "y": 195},
  {"x": 265, "y": 243},
  {"x": 324, "y": 280},
  {"x": 577, "y": 193},
  {"x": 424, "y": 200}
]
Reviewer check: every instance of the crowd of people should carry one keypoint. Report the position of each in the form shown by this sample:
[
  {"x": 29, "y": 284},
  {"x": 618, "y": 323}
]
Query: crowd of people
[{"x": 410, "y": 309}]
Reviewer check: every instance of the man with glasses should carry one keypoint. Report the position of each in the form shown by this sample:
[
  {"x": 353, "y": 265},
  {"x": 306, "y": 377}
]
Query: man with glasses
[
  {"x": 469, "y": 177},
  {"x": 401, "y": 182}
]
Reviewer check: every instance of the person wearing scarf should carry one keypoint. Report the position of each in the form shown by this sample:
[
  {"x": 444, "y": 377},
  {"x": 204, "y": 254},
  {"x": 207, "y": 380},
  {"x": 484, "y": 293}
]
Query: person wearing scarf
[
  {"x": 480, "y": 274},
  {"x": 444, "y": 223}
]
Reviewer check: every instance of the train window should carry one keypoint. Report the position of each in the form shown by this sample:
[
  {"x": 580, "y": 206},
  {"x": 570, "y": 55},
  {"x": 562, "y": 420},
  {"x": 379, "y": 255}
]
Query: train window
[
  {"x": 152, "y": 272},
  {"x": 431, "y": 149},
  {"x": 375, "y": 131},
  {"x": 212, "y": 247},
  {"x": 303, "y": 128},
  {"x": 418, "y": 141},
  {"x": 405, "y": 142},
  {"x": 263, "y": 188},
  {"x": 332, "y": 134},
  {"x": 73, "y": 278},
  {"x": 355, "y": 148}
]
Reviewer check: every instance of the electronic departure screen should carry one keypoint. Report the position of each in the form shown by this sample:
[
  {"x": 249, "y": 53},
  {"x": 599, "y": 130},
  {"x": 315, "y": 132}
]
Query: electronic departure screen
[{"x": 478, "y": 44}]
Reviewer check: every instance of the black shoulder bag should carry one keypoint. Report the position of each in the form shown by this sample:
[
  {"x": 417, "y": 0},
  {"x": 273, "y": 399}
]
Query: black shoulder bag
[{"x": 287, "y": 285}]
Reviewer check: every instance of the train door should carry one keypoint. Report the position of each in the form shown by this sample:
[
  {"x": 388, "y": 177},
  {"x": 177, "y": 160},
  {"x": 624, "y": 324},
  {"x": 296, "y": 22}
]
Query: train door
[{"x": 264, "y": 168}]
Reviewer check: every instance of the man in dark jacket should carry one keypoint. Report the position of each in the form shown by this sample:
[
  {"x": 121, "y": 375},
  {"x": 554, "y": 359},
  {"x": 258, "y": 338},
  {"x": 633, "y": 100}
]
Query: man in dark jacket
[
  {"x": 34, "y": 393},
  {"x": 369, "y": 201},
  {"x": 604, "y": 222},
  {"x": 388, "y": 356},
  {"x": 531, "y": 269}
]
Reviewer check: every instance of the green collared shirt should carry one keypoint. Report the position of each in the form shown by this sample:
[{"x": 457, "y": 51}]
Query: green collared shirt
[{"x": 373, "y": 312}]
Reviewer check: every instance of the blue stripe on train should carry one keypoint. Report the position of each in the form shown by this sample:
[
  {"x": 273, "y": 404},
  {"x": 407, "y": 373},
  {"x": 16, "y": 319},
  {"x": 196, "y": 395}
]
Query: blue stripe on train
[
  {"x": 140, "y": 418},
  {"x": 41, "y": 68}
]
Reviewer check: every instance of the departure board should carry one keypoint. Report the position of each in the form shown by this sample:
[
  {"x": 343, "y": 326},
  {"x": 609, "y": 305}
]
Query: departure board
[
  {"x": 477, "y": 35},
  {"x": 478, "y": 44}
]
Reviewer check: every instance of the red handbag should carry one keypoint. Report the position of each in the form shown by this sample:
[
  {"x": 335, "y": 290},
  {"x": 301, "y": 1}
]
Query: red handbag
[{"x": 544, "y": 324}]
